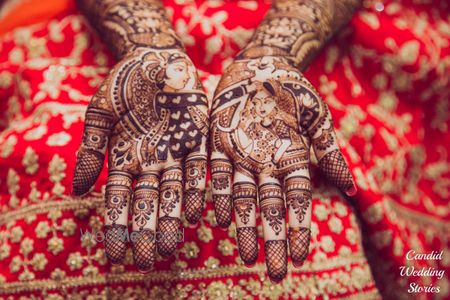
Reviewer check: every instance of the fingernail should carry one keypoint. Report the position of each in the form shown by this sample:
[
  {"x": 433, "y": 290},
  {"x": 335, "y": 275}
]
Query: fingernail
[
  {"x": 352, "y": 191},
  {"x": 274, "y": 281},
  {"x": 250, "y": 265},
  {"x": 298, "y": 264},
  {"x": 144, "y": 271},
  {"x": 192, "y": 226},
  {"x": 223, "y": 228}
]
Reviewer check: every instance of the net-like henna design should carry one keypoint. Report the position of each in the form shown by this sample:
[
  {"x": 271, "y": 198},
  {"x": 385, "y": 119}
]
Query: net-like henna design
[
  {"x": 247, "y": 244},
  {"x": 115, "y": 243},
  {"x": 194, "y": 200},
  {"x": 144, "y": 247},
  {"x": 87, "y": 170},
  {"x": 299, "y": 244},
  {"x": 222, "y": 205},
  {"x": 335, "y": 168},
  {"x": 167, "y": 235},
  {"x": 276, "y": 259}
]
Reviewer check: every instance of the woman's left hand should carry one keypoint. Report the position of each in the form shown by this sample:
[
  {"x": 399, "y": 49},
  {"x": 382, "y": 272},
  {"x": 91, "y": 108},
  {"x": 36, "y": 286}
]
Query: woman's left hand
[{"x": 265, "y": 116}]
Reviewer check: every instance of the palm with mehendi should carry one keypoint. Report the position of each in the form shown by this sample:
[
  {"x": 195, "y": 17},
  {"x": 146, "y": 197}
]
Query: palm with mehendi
[
  {"x": 265, "y": 117},
  {"x": 151, "y": 115}
]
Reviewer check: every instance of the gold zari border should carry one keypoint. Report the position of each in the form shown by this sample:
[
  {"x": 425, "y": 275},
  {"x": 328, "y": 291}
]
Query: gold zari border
[
  {"x": 170, "y": 276},
  {"x": 66, "y": 203}
]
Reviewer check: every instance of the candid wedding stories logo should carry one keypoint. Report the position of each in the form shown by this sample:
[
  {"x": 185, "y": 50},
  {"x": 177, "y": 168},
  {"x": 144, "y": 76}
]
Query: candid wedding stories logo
[
  {"x": 123, "y": 235},
  {"x": 413, "y": 271}
]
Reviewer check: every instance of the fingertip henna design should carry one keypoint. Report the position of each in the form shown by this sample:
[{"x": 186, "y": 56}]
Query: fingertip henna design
[
  {"x": 276, "y": 259},
  {"x": 247, "y": 241},
  {"x": 299, "y": 239},
  {"x": 97, "y": 127},
  {"x": 196, "y": 200},
  {"x": 88, "y": 168},
  {"x": 115, "y": 244},
  {"x": 144, "y": 247},
  {"x": 167, "y": 238},
  {"x": 336, "y": 170},
  {"x": 223, "y": 207}
]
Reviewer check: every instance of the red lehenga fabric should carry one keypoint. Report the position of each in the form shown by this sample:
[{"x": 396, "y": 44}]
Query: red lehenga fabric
[{"x": 386, "y": 81}]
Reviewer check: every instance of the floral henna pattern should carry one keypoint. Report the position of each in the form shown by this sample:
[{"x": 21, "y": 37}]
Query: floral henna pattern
[
  {"x": 265, "y": 117},
  {"x": 171, "y": 190},
  {"x": 221, "y": 170},
  {"x": 131, "y": 24},
  {"x": 151, "y": 115},
  {"x": 297, "y": 29},
  {"x": 272, "y": 207},
  {"x": 298, "y": 196},
  {"x": 143, "y": 208},
  {"x": 244, "y": 194}
]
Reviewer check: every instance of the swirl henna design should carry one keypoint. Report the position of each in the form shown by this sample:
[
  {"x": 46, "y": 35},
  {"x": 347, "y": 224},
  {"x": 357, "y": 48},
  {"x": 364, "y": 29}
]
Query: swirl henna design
[
  {"x": 151, "y": 115},
  {"x": 244, "y": 194},
  {"x": 195, "y": 186},
  {"x": 127, "y": 25},
  {"x": 297, "y": 29},
  {"x": 298, "y": 196},
  {"x": 265, "y": 118},
  {"x": 272, "y": 206}
]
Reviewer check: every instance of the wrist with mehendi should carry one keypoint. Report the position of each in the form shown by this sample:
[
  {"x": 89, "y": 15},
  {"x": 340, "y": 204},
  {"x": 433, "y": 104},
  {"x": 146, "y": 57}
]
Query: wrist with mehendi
[
  {"x": 297, "y": 29},
  {"x": 127, "y": 25}
]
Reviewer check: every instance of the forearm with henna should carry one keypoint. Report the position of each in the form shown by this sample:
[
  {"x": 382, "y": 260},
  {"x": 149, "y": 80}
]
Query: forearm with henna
[
  {"x": 151, "y": 115},
  {"x": 297, "y": 29},
  {"x": 126, "y": 25}
]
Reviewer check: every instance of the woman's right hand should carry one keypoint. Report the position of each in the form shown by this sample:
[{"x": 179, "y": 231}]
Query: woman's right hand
[{"x": 151, "y": 115}]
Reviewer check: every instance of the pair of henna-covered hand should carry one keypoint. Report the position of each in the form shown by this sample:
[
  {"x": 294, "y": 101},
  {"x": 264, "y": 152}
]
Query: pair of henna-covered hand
[{"x": 151, "y": 116}]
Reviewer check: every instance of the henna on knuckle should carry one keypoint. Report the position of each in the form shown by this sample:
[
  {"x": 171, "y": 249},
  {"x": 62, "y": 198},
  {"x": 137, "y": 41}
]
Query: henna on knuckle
[
  {"x": 221, "y": 171},
  {"x": 244, "y": 200},
  {"x": 272, "y": 206},
  {"x": 298, "y": 195}
]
